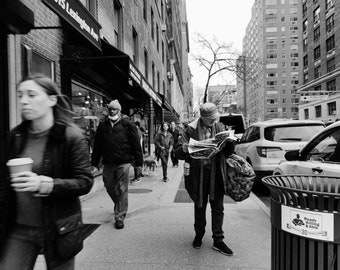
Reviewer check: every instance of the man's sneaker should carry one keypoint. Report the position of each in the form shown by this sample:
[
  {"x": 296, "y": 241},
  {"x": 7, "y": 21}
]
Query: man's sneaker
[
  {"x": 119, "y": 224},
  {"x": 223, "y": 248},
  {"x": 135, "y": 180},
  {"x": 197, "y": 243}
]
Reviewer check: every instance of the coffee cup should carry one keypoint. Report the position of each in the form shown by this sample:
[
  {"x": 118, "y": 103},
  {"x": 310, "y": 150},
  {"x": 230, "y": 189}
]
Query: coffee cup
[{"x": 17, "y": 165}]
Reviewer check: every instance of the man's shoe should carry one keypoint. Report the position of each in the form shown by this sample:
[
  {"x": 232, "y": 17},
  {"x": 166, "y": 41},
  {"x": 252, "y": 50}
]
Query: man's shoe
[
  {"x": 197, "y": 243},
  {"x": 223, "y": 248},
  {"x": 119, "y": 224},
  {"x": 165, "y": 179}
]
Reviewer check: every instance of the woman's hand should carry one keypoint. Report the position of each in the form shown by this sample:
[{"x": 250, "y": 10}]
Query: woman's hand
[{"x": 26, "y": 181}]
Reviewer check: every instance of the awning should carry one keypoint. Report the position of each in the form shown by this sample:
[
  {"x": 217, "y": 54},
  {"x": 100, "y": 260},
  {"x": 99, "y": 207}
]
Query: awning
[
  {"x": 17, "y": 17},
  {"x": 170, "y": 113}
]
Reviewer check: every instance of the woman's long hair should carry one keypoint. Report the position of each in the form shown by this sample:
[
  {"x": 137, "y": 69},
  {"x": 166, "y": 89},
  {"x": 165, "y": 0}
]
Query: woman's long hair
[{"x": 62, "y": 111}]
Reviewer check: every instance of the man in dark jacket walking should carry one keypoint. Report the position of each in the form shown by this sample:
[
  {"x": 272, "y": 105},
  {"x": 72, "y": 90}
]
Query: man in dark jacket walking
[
  {"x": 205, "y": 182},
  {"x": 118, "y": 144}
]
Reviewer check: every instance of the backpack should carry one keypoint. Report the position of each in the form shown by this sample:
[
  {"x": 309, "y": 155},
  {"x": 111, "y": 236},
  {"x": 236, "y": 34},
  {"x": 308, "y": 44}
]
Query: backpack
[{"x": 240, "y": 178}]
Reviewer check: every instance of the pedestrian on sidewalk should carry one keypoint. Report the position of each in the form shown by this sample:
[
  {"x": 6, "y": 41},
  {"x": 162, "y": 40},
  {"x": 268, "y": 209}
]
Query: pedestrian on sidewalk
[
  {"x": 175, "y": 134},
  {"x": 137, "y": 169},
  {"x": 117, "y": 143},
  {"x": 164, "y": 144},
  {"x": 39, "y": 207},
  {"x": 205, "y": 181}
]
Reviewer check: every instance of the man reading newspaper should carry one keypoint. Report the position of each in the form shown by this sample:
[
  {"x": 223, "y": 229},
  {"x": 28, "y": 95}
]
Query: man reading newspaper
[{"x": 205, "y": 181}]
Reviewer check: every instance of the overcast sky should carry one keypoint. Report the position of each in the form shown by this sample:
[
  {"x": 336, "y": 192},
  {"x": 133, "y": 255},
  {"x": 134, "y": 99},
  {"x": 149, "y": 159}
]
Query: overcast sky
[{"x": 225, "y": 20}]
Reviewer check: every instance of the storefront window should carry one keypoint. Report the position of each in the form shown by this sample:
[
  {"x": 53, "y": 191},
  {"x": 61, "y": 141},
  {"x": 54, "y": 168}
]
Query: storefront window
[{"x": 90, "y": 108}]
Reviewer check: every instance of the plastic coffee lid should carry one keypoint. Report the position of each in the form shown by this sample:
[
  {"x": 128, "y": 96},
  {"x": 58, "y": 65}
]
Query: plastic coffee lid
[{"x": 19, "y": 161}]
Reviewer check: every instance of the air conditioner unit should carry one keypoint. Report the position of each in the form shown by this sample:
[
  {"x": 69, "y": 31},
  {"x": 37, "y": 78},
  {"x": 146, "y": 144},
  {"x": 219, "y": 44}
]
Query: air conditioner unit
[{"x": 163, "y": 27}]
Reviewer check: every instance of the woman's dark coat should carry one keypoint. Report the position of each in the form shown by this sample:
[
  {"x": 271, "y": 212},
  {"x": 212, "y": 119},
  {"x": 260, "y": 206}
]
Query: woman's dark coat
[{"x": 66, "y": 160}]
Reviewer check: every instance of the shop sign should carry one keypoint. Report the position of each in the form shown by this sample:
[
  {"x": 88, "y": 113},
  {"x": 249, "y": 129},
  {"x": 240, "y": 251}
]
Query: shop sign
[
  {"x": 309, "y": 224},
  {"x": 78, "y": 16}
]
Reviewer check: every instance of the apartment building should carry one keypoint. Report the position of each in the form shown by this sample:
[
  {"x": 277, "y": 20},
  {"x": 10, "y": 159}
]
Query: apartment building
[
  {"x": 320, "y": 60},
  {"x": 271, "y": 58}
]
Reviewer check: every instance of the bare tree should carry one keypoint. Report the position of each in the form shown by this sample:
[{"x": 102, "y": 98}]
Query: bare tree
[{"x": 220, "y": 57}]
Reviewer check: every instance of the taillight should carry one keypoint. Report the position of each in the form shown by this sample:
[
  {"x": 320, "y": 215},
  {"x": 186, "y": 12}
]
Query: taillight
[{"x": 263, "y": 151}]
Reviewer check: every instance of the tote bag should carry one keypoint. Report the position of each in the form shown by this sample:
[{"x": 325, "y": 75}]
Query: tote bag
[{"x": 240, "y": 178}]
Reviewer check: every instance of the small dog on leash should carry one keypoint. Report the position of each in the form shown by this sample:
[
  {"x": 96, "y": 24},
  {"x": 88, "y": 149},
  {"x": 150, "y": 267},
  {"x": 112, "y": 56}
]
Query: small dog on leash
[{"x": 149, "y": 165}]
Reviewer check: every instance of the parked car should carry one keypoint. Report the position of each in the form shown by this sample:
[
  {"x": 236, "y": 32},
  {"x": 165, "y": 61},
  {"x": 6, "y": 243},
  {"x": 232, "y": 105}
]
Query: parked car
[
  {"x": 264, "y": 144},
  {"x": 320, "y": 156},
  {"x": 235, "y": 122}
]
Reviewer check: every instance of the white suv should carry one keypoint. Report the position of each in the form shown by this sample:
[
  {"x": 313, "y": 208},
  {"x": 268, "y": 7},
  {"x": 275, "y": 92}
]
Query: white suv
[{"x": 264, "y": 144}]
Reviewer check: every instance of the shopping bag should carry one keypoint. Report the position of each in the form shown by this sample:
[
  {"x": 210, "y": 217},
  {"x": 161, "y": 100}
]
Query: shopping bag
[{"x": 240, "y": 178}]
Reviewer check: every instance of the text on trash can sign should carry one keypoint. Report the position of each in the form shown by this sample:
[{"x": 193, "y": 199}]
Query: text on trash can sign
[{"x": 310, "y": 224}]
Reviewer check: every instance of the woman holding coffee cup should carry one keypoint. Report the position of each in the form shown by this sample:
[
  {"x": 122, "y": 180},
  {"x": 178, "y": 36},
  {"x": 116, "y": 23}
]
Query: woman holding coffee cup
[{"x": 42, "y": 212}]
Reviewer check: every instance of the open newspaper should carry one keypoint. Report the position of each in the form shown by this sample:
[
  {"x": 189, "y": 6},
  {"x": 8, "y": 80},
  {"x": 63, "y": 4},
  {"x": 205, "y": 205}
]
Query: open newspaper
[{"x": 208, "y": 148}]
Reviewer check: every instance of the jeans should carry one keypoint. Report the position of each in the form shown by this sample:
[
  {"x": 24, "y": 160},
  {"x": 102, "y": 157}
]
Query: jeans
[
  {"x": 116, "y": 181},
  {"x": 22, "y": 248},
  {"x": 217, "y": 209},
  {"x": 164, "y": 160}
]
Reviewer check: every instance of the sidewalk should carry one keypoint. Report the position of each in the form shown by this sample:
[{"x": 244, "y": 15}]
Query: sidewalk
[{"x": 159, "y": 231}]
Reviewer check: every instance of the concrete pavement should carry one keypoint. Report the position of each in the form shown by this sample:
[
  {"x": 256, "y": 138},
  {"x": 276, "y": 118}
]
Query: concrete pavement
[{"x": 159, "y": 230}]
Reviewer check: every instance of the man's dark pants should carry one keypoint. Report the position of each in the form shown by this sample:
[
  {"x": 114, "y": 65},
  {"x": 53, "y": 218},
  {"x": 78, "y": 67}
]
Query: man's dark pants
[{"x": 217, "y": 209}]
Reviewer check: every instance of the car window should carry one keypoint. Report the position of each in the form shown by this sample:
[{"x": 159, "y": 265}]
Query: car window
[
  {"x": 245, "y": 135},
  {"x": 327, "y": 148},
  {"x": 288, "y": 133}
]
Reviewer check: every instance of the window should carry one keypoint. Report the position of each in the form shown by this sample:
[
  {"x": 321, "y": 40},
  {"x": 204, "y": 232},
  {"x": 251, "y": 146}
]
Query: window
[
  {"x": 331, "y": 65},
  {"x": 306, "y": 113},
  {"x": 37, "y": 63},
  {"x": 162, "y": 10},
  {"x": 117, "y": 20},
  {"x": 305, "y": 25},
  {"x": 316, "y": 15},
  {"x": 271, "y": 11},
  {"x": 163, "y": 53},
  {"x": 305, "y": 44},
  {"x": 152, "y": 25},
  {"x": 331, "y": 108},
  {"x": 271, "y": 19},
  {"x": 272, "y": 56},
  {"x": 330, "y": 44},
  {"x": 135, "y": 45},
  {"x": 157, "y": 37},
  {"x": 318, "y": 111},
  {"x": 158, "y": 82},
  {"x": 317, "y": 33},
  {"x": 90, "y": 5},
  {"x": 271, "y": 2},
  {"x": 153, "y": 75},
  {"x": 146, "y": 64},
  {"x": 145, "y": 11},
  {"x": 329, "y": 4},
  {"x": 317, "y": 72},
  {"x": 317, "y": 53},
  {"x": 271, "y": 29},
  {"x": 271, "y": 46},
  {"x": 330, "y": 23},
  {"x": 317, "y": 88},
  {"x": 305, "y": 61},
  {"x": 273, "y": 83},
  {"x": 304, "y": 8},
  {"x": 305, "y": 78},
  {"x": 331, "y": 85}
]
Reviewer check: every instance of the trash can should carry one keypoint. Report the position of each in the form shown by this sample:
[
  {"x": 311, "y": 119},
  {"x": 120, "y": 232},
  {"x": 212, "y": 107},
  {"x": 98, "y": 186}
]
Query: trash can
[{"x": 305, "y": 222}]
